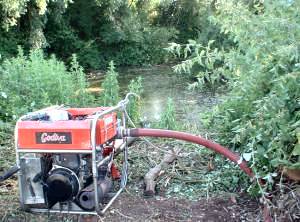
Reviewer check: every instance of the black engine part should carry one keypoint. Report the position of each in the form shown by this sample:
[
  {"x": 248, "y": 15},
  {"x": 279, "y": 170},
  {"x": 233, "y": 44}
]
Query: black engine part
[
  {"x": 14, "y": 169},
  {"x": 61, "y": 185},
  {"x": 71, "y": 161},
  {"x": 86, "y": 197}
]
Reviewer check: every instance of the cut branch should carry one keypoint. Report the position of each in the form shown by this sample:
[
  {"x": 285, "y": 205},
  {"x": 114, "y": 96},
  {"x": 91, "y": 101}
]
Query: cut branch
[{"x": 156, "y": 171}]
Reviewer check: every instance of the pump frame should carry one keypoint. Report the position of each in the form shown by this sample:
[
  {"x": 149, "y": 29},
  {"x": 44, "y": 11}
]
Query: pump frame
[{"x": 95, "y": 163}]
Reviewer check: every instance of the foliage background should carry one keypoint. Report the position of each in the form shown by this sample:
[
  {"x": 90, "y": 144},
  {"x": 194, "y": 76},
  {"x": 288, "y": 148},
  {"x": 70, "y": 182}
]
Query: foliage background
[
  {"x": 97, "y": 31},
  {"x": 259, "y": 117}
]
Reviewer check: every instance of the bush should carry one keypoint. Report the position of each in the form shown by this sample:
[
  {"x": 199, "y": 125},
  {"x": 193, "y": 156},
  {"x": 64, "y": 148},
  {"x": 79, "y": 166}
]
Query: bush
[
  {"x": 260, "y": 115},
  {"x": 89, "y": 56},
  {"x": 204, "y": 63},
  {"x": 146, "y": 47},
  {"x": 9, "y": 41},
  {"x": 83, "y": 98},
  {"x": 99, "y": 33},
  {"x": 32, "y": 82}
]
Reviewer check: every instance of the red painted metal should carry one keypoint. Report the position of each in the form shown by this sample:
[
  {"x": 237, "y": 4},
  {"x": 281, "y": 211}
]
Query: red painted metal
[
  {"x": 115, "y": 173},
  {"x": 234, "y": 157},
  {"x": 78, "y": 128},
  {"x": 74, "y": 112}
]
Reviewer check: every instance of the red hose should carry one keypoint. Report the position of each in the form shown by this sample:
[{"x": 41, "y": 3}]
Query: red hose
[{"x": 234, "y": 157}]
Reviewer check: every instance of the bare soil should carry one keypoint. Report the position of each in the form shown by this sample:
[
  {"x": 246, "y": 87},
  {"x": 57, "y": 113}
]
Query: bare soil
[{"x": 132, "y": 206}]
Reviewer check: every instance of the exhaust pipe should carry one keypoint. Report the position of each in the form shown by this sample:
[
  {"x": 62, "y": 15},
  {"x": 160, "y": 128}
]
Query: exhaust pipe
[{"x": 86, "y": 197}]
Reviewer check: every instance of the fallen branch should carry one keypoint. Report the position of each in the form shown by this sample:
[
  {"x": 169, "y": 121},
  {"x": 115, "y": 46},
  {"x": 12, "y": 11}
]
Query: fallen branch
[{"x": 154, "y": 172}]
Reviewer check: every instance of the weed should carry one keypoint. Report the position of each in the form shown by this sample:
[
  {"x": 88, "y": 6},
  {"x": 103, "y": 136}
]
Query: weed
[
  {"x": 168, "y": 120},
  {"x": 32, "y": 82},
  {"x": 134, "y": 108},
  {"x": 110, "y": 95}
]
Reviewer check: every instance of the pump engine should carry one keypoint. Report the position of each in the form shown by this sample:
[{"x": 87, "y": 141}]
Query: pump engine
[{"x": 65, "y": 157}]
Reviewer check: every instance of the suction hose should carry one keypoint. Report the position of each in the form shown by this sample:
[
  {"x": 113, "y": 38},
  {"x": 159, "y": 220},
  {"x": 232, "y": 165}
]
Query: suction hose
[
  {"x": 234, "y": 157},
  {"x": 14, "y": 169}
]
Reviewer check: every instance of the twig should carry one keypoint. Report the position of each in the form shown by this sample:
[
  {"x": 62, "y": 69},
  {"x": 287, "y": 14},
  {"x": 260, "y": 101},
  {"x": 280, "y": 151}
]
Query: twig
[{"x": 123, "y": 215}]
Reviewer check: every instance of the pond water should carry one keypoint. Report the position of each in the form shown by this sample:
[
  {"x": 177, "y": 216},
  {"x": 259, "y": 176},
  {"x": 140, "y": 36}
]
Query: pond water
[{"x": 160, "y": 83}]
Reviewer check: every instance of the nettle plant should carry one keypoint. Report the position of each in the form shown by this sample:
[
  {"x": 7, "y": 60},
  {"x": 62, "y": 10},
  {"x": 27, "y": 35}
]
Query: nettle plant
[
  {"x": 168, "y": 117},
  {"x": 205, "y": 63},
  {"x": 134, "y": 107},
  {"x": 110, "y": 85},
  {"x": 32, "y": 82},
  {"x": 260, "y": 115}
]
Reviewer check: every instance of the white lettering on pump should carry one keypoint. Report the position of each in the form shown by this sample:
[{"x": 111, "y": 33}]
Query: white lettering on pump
[{"x": 45, "y": 137}]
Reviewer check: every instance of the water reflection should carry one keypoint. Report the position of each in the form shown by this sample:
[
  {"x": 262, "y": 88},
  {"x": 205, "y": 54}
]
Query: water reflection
[{"x": 159, "y": 83}]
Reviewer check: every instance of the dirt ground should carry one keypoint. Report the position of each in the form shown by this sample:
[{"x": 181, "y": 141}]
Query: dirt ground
[{"x": 132, "y": 206}]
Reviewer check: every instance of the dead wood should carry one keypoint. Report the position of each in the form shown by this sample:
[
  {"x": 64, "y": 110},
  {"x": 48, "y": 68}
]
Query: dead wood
[{"x": 155, "y": 172}]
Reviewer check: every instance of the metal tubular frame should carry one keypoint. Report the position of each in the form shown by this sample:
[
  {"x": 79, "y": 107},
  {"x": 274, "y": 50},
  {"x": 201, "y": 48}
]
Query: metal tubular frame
[
  {"x": 124, "y": 170},
  {"x": 94, "y": 151}
]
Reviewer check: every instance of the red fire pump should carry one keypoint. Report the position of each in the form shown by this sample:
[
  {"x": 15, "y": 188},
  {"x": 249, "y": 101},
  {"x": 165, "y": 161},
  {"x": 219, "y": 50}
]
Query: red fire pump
[{"x": 65, "y": 157}]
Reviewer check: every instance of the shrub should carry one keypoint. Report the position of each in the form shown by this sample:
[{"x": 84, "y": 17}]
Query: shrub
[
  {"x": 83, "y": 98},
  {"x": 260, "y": 115},
  {"x": 89, "y": 55},
  {"x": 144, "y": 48},
  {"x": 8, "y": 44},
  {"x": 32, "y": 82},
  {"x": 205, "y": 63}
]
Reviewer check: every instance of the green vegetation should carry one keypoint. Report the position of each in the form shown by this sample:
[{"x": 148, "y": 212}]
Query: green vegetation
[
  {"x": 190, "y": 18},
  {"x": 135, "y": 104},
  {"x": 32, "y": 82},
  {"x": 260, "y": 115},
  {"x": 205, "y": 63},
  {"x": 167, "y": 119},
  {"x": 110, "y": 86},
  {"x": 110, "y": 95},
  {"x": 28, "y": 83},
  {"x": 98, "y": 31},
  {"x": 248, "y": 49}
]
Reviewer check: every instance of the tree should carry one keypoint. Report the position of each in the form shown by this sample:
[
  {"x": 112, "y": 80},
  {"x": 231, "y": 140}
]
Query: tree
[{"x": 30, "y": 17}]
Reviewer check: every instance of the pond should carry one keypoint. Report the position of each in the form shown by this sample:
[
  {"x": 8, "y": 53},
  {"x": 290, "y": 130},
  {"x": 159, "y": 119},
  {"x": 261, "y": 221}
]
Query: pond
[{"x": 160, "y": 83}]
